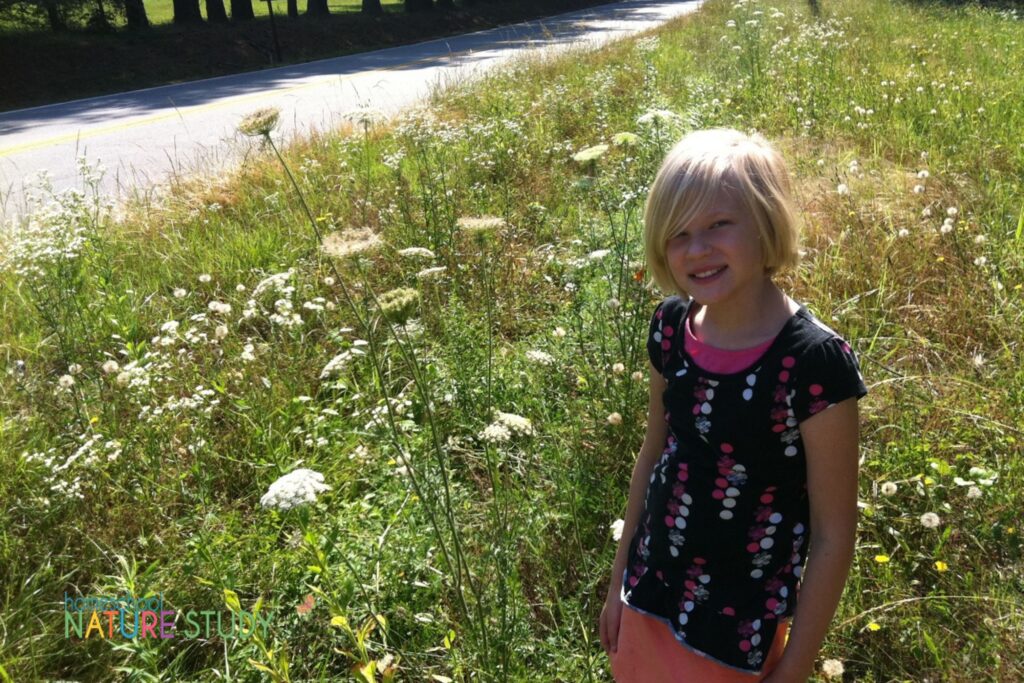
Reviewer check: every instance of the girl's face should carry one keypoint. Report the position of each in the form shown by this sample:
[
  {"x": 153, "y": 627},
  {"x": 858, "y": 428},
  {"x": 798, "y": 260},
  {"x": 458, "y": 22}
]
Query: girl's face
[{"x": 717, "y": 257}]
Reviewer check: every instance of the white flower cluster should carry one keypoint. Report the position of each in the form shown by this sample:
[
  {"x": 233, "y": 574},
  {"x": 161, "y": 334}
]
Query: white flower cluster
[
  {"x": 659, "y": 117},
  {"x": 400, "y": 406},
  {"x": 979, "y": 476},
  {"x": 336, "y": 364},
  {"x": 134, "y": 375},
  {"x": 220, "y": 307},
  {"x": 198, "y": 401},
  {"x": 277, "y": 283},
  {"x": 416, "y": 252},
  {"x": 284, "y": 314},
  {"x": 516, "y": 423},
  {"x": 56, "y": 233},
  {"x": 296, "y": 488},
  {"x": 540, "y": 357},
  {"x": 505, "y": 426},
  {"x": 94, "y": 449},
  {"x": 495, "y": 433},
  {"x": 431, "y": 273}
]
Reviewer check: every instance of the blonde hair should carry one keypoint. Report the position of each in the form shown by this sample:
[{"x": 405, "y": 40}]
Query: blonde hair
[{"x": 700, "y": 165}]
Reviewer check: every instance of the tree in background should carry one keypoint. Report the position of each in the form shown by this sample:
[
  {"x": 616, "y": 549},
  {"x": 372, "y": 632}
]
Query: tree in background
[
  {"x": 135, "y": 15},
  {"x": 317, "y": 8},
  {"x": 241, "y": 10},
  {"x": 372, "y": 7},
  {"x": 187, "y": 12},
  {"x": 293, "y": 9},
  {"x": 55, "y": 15},
  {"x": 215, "y": 12}
]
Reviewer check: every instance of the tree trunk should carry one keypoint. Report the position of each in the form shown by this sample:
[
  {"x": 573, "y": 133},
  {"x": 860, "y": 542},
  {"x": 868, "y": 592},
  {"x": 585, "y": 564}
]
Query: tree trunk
[
  {"x": 317, "y": 8},
  {"x": 135, "y": 14},
  {"x": 53, "y": 14},
  {"x": 241, "y": 10},
  {"x": 372, "y": 7},
  {"x": 293, "y": 8},
  {"x": 187, "y": 12},
  {"x": 215, "y": 13},
  {"x": 99, "y": 20}
]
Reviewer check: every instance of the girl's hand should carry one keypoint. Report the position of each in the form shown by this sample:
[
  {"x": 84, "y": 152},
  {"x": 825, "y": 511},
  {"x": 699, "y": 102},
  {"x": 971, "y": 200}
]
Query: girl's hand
[
  {"x": 779, "y": 675},
  {"x": 610, "y": 614}
]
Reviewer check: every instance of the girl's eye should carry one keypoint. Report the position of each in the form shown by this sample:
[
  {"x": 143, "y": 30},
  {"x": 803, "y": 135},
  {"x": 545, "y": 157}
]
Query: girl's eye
[{"x": 718, "y": 224}]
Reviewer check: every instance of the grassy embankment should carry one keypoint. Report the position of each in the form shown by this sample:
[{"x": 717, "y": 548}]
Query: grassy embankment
[{"x": 493, "y": 557}]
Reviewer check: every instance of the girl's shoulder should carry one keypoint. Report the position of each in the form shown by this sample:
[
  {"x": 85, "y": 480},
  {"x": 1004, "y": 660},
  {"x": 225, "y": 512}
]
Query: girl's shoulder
[
  {"x": 671, "y": 306},
  {"x": 807, "y": 332},
  {"x": 666, "y": 330},
  {"x": 824, "y": 366}
]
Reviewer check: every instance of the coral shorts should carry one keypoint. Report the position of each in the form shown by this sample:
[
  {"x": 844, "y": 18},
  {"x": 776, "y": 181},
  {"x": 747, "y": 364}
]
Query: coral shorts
[{"x": 649, "y": 653}]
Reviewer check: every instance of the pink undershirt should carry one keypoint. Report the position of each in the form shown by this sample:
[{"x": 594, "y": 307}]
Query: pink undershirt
[{"x": 721, "y": 361}]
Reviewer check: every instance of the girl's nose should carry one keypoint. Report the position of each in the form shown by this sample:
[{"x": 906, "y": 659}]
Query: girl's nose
[{"x": 697, "y": 246}]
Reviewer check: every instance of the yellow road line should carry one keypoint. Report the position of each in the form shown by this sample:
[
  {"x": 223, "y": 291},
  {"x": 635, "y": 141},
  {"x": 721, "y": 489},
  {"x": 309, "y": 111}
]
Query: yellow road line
[{"x": 95, "y": 132}]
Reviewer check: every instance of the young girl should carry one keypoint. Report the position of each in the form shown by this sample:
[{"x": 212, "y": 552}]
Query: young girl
[{"x": 751, "y": 438}]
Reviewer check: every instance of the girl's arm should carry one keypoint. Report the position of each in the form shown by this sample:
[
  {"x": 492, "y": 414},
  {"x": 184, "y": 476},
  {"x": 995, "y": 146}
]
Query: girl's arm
[
  {"x": 650, "y": 451},
  {"x": 654, "y": 443},
  {"x": 830, "y": 442}
]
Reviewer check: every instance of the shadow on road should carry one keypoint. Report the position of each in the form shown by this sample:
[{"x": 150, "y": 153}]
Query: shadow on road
[{"x": 461, "y": 50}]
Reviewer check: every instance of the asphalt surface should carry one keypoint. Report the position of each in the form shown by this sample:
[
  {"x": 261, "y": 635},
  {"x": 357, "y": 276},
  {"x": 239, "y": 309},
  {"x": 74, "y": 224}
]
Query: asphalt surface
[{"x": 142, "y": 139}]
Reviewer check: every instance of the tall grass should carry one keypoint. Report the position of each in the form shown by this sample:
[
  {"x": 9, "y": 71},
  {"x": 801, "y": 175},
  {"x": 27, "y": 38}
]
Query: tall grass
[{"x": 459, "y": 542}]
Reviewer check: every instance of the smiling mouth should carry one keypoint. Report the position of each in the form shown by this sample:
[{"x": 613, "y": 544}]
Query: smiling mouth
[{"x": 707, "y": 274}]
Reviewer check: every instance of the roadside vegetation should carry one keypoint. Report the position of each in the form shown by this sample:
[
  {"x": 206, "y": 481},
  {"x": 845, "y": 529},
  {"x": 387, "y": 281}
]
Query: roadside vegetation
[{"x": 444, "y": 317}]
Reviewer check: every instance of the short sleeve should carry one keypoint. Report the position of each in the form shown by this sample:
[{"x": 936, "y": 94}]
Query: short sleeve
[
  {"x": 830, "y": 375},
  {"x": 662, "y": 333}
]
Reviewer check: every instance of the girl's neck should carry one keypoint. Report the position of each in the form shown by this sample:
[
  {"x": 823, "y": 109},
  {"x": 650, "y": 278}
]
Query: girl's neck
[{"x": 745, "y": 323}]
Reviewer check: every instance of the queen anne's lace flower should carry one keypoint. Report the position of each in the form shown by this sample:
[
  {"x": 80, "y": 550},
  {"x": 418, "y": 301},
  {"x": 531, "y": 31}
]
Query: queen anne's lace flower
[
  {"x": 540, "y": 357},
  {"x": 656, "y": 117},
  {"x": 495, "y": 433},
  {"x": 351, "y": 242},
  {"x": 431, "y": 273},
  {"x": 481, "y": 223},
  {"x": 416, "y": 252},
  {"x": 517, "y": 424},
  {"x": 296, "y": 488},
  {"x": 260, "y": 122},
  {"x": 620, "y": 139},
  {"x": 590, "y": 153}
]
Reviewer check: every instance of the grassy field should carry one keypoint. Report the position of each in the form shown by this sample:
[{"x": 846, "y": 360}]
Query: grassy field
[{"x": 456, "y": 543}]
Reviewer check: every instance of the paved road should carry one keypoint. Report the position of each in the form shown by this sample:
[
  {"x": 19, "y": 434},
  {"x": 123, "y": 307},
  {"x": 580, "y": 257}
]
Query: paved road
[{"x": 141, "y": 138}]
